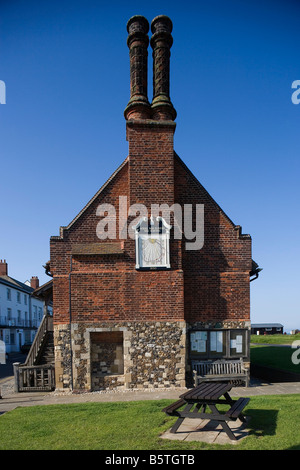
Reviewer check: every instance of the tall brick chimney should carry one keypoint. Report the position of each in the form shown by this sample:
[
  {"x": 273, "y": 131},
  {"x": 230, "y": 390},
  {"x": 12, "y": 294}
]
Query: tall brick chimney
[
  {"x": 3, "y": 268},
  {"x": 161, "y": 43},
  {"x": 34, "y": 282},
  {"x": 150, "y": 129},
  {"x": 138, "y": 41}
]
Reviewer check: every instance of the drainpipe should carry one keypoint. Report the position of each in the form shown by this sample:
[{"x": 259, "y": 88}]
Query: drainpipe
[{"x": 70, "y": 322}]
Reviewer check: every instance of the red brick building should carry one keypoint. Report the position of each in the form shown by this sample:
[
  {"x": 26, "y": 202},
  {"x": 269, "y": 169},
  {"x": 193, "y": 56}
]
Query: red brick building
[{"x": 137, "y": 308}]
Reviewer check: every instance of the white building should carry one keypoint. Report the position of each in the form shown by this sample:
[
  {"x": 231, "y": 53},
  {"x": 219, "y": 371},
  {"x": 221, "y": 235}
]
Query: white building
[{"x": 20, "y": 311}]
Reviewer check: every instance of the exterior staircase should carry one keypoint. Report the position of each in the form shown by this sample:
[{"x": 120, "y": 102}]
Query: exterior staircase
[
  {"x": 46, "y": 350},
  {"x": 42, "y": 348},
  {"x": 37, "y": 373}
]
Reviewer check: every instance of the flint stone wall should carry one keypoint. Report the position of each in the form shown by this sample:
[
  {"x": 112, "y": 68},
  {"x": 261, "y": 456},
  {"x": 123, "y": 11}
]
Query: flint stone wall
[{"x": 154, "y": 356}]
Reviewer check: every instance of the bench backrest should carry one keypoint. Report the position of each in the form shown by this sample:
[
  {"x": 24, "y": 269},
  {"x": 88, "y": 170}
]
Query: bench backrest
[{"x": 218, "y": 367}]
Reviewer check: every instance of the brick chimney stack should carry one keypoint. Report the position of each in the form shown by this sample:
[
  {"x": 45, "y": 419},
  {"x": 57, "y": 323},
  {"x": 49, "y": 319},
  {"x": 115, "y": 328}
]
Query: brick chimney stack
[
  {"x": 34, "y": 282},
  {"x": 3, "y": 268},
  {"x": 161, "y": 43},
  {"x": 138, "y": 41},
  {"x": 150, "y": 128}
]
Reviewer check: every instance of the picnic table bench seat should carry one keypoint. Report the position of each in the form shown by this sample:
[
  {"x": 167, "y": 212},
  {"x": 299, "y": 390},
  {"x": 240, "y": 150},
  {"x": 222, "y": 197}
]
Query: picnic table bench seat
[
  {"x": 171, "y": 409},
  {"x": 195, "y": 404},
  {"x": 237, "y": 408},
  {"x": 232, "y": 414}
]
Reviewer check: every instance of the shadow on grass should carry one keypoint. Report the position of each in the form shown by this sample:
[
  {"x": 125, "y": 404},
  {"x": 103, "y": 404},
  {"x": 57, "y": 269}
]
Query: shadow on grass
[{"x": 261, "y": 422}]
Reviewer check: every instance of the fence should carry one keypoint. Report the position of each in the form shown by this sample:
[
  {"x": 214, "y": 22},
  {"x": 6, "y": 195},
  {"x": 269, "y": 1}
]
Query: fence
[{"x": 34, "y": 378}]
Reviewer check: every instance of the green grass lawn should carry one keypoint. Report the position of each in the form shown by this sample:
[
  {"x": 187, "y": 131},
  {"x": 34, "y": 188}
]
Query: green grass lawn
[
  {"x": 279, "y": 357},
  {"x": 274, "y": 424},
  {"x": 274, "y": 339}
]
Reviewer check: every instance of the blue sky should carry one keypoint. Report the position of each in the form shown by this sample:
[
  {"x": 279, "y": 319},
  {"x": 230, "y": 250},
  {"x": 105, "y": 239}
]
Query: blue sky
[{"x": 62, "y": 131}]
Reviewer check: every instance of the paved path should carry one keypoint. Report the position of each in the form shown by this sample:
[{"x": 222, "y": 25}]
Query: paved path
[{"x": 11, "y": 400}]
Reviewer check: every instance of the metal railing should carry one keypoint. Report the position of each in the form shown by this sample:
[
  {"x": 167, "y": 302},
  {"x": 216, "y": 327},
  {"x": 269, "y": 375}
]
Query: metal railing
[{"x": 8, "y": 322}]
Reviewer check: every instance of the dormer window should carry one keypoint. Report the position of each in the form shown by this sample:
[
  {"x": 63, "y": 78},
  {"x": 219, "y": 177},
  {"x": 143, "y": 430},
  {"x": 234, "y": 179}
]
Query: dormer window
[{"x": 152, "y": 243}]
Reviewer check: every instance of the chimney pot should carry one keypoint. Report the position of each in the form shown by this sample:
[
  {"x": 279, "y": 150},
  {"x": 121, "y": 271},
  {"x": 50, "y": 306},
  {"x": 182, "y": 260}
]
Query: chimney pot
[
  {"x": 138, "y": 41},
  {"x": 161, "y": 43},
  {"x": 161, "y": 23}
]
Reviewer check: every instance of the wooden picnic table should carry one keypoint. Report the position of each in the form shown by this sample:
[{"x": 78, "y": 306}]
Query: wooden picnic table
[{"x": 211, "y": 394}]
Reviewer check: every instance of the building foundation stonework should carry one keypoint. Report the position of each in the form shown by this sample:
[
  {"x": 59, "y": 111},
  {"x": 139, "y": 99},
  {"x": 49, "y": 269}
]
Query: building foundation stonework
[{"x": 131, "y": 355}]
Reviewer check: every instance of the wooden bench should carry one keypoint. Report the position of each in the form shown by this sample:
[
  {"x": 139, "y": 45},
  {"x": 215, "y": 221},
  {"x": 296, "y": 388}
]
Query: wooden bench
[
  {"x": 195, "y": 402},
  {"x": 232, "y": 414},
  {"x": 218, "y": 370},
  {"x": 235, "y": 411},
  {"x": 171, "y": 409}
]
